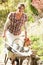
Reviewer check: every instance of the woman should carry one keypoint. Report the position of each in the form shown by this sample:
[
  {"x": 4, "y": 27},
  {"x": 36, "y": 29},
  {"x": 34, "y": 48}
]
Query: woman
[{"x": 13, "y": 25}]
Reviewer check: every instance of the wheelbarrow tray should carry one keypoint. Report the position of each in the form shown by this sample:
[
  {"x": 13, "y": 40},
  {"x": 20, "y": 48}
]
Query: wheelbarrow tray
[{"x": 18, "y": 53}]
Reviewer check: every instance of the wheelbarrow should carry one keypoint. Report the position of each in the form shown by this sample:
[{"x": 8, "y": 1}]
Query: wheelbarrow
[{"x": 15, "y": 51}]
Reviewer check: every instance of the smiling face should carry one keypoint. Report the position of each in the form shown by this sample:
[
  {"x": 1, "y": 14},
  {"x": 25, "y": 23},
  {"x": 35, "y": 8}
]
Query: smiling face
[{"x": 21, "y": 9}]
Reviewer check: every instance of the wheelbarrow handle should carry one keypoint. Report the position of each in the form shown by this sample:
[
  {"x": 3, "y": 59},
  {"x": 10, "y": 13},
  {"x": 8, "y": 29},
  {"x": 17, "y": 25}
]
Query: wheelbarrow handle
[{"x": 16, "y": 39}]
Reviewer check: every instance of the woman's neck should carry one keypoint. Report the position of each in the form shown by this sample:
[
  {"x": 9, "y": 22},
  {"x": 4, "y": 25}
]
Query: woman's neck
[{"x": 18, "y": 15}]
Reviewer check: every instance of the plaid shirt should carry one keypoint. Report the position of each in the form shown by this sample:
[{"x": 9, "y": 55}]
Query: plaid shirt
[{"x": 15, "y": 25}]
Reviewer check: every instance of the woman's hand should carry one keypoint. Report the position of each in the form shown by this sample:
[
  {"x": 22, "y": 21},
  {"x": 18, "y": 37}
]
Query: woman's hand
[{"x": 3, "y": 35}]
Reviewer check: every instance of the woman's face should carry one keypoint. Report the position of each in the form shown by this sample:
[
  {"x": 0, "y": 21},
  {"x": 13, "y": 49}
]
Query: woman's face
[{"x": 22, "y": 9}]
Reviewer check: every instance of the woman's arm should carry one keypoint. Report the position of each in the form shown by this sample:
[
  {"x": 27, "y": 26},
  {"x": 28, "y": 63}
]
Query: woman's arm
[
  {"x": 9, "y": 18},
  {"x": 6, "y": 26}
]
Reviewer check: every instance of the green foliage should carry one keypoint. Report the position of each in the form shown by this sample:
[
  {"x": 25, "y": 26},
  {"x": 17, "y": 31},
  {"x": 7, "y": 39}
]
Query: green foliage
[
  {"x": 34, "y": 10},
  {"x": 37, "y": 44},
  {"x": 30, "y": 19},
  {"x": 0, "y": 1},
  {"x": 34, "y": 38},
  {"x": 3, "y": 1}
]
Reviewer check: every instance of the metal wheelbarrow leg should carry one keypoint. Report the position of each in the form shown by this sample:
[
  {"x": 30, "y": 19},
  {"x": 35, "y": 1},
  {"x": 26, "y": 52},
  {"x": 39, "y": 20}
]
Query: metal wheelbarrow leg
[{"x": 6, "y": 59}]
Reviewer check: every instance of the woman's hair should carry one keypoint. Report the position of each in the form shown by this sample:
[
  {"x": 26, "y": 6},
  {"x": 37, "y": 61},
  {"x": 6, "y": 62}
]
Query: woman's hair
[{"x": 21, "y": 5}]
